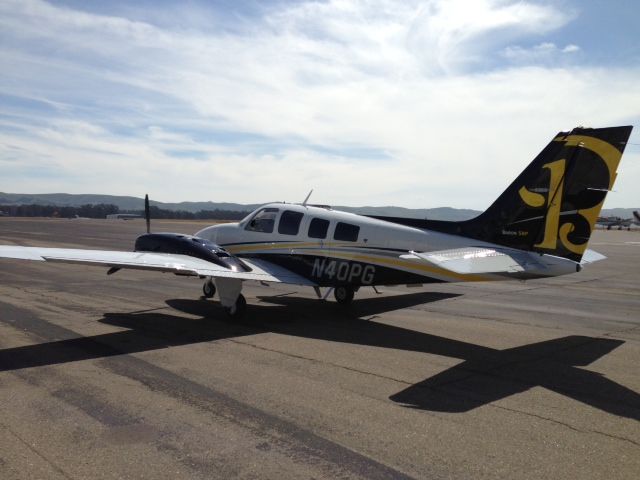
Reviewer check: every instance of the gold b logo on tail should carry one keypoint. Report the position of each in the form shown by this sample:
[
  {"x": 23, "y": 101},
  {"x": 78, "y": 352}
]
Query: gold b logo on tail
[
  {"x": 554, "y": 230},
  {"x": 553, "y": 203}
]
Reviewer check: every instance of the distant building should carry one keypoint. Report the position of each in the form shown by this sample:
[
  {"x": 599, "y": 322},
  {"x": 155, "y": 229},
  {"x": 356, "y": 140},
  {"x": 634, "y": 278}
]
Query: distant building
[{"x": 123, "y": 216}]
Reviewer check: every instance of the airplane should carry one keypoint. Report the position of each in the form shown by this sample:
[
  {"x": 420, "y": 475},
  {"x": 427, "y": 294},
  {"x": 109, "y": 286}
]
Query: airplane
[
  {"x": 539, "y": 227},
  {"x": 123, "y": 216},
  {"x": 619, "y": 222}
]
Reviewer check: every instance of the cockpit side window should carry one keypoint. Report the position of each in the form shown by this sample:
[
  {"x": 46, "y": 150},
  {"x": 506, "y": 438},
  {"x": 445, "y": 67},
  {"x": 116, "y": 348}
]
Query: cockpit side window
[
  {"x": 318, "y": 228},
  {"x": 346, "y": 232},
  {"x": 263, "y": 221},
  {"x": 290, "y": 222}
]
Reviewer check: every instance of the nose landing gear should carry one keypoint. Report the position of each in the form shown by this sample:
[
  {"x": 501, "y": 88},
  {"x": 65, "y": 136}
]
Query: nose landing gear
[{"x": 209, "y": 288}]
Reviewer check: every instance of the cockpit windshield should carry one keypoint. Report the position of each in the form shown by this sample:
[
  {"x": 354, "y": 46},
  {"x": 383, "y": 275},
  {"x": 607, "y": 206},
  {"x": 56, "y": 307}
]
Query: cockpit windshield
[{"x": 263, "y": 221}]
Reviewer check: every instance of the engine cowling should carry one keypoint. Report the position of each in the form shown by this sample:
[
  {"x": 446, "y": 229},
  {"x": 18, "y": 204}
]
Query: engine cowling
[{"x": 180, "y": 244}]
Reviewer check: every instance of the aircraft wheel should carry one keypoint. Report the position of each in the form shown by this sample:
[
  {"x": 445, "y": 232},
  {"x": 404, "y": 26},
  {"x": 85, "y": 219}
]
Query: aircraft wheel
[
  {"x": 238, "y": 310},
  {"x": 208, "y": 289},
  {"x": 344, "y": 295}
]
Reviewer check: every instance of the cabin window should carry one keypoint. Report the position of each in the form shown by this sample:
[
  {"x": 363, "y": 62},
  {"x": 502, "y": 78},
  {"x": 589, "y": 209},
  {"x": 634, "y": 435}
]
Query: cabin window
[
  {"x": 347, "y": 232},
  {"x": 290, "y": 222},
  {"x": 263, "y": 221},
  {"x": 318, "y": 228}
]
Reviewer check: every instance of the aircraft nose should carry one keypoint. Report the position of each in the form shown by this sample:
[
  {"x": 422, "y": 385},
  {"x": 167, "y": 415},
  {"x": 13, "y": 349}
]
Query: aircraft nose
[{"x": 209, "y": 233}]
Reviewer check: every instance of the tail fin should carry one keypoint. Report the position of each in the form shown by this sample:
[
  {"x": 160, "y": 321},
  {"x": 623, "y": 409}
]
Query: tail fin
[
  {"x": 637, "y": 215},
  {"x": 553, "y": 205}
]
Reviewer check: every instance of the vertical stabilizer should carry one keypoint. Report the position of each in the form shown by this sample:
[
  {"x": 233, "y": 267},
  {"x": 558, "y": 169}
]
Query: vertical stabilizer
[{"x": 552, "y": 207}]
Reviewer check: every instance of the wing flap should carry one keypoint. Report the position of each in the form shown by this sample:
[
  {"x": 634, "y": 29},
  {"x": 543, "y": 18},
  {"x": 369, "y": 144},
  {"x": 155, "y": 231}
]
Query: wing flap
[{"x": 280, "y": 274}]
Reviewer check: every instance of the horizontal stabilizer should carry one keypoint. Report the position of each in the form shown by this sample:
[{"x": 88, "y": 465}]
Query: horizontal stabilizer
[
  {"x": 474, "y": 260},
  {"x": 591, "y": 256}
]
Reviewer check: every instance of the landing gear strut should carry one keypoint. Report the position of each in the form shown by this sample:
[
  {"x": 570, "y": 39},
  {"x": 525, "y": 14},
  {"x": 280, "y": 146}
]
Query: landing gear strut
[{"x": 344, "y": 295}]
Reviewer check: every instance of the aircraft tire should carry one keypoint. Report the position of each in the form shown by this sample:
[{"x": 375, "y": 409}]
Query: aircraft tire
[
  {"x": 240, "y": 308},
  {"x": 343, "y": 295},
  {"x": 208, "y": 289}
]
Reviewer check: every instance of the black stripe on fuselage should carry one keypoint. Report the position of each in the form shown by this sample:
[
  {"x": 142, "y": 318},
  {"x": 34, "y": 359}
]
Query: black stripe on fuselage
[{"x": 332, "y": 271}]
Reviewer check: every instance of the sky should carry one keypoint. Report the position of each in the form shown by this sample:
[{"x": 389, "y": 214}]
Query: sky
[{"x": 417, "y": 104}]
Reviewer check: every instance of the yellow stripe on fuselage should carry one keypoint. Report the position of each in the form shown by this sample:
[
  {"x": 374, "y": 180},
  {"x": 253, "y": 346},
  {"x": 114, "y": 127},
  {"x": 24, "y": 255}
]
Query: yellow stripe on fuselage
[
  {"x": 235, "y": 249},
  {"x": 269, "y": 247}
]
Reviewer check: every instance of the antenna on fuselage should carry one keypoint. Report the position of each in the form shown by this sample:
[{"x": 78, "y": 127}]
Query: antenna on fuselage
[
  {"x": 304, "y": 204},
  {"x": 147, "y": 214}
]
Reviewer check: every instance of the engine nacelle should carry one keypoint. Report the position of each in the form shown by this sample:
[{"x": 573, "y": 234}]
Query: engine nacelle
[{"x": 180, "y": 244}]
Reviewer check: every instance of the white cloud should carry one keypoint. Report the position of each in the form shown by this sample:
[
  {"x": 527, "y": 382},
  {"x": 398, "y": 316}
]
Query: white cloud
[
  {"x": 544, "y": 52},
  {"x": 401, "y": 78},
  {"x": 571, "y": 49}
]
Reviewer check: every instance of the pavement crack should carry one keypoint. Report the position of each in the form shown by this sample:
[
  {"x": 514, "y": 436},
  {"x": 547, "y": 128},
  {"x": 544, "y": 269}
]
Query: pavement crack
[
  {"x": 566, "y": 425},
  {"x": 471, "y": 372},
  {"x": 321, "y": 362}
]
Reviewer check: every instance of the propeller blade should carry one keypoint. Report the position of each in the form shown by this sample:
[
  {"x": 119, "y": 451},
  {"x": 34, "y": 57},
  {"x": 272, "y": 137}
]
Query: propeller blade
[{"x": 147, "y": 214}]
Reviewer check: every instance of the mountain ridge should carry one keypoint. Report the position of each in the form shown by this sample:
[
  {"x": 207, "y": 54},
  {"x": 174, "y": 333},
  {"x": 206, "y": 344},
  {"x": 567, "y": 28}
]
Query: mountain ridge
[{"x": 136, "y": 203}]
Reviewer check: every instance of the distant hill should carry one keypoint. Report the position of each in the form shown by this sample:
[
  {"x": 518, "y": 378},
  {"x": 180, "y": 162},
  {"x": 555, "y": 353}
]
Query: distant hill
[
  {"x": 122, "y": 202},
  {"x": 69, "y": 200},
  {"x": 135, "y": 203}
]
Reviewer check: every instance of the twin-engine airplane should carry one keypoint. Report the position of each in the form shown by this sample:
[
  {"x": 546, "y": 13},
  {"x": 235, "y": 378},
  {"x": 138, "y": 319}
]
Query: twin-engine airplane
[
  {"x": 610, "y": 222},
  {"x": 539, "y": 227}
]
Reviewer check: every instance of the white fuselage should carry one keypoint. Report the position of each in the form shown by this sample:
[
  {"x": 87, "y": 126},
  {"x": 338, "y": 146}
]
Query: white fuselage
[{"x": 348, "y": 249}]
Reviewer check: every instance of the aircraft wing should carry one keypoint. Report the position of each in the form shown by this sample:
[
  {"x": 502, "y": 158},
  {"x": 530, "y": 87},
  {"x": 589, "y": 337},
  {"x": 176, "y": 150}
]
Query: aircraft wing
[
  {"x": 164, "y": 262},
  {"x": 474, "y": 260}
]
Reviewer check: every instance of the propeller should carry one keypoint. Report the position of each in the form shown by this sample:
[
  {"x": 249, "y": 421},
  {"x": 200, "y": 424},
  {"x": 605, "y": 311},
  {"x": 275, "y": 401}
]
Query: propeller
[{"x": 147, "y": 215}]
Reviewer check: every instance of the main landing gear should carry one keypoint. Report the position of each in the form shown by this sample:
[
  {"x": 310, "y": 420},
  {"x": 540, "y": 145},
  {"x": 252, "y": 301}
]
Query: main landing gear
[
  {"x": 228, "y": 290},
  {"x": 344, "y": 295},
  {"x": 238, "y": 310}
]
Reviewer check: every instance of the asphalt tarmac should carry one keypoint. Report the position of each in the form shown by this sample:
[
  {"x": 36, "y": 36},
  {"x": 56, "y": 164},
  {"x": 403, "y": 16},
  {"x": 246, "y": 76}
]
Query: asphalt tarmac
[{"x": 134, "y": 376}]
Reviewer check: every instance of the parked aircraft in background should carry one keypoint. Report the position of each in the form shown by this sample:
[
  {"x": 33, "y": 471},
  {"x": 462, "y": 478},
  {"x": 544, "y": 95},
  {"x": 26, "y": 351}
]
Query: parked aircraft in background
[
  {"x": 539, "y": 227},
  {"x": 123, "y": 216},
  {"x": 619, "y": 222}
]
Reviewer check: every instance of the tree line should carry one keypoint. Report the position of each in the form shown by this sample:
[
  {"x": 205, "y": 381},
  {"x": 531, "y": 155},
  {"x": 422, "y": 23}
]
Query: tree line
[{"x": 101, "y": 210}]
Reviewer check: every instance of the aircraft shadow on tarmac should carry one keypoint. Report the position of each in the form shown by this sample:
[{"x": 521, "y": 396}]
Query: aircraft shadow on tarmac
[{"x": 484, "y": 374}]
